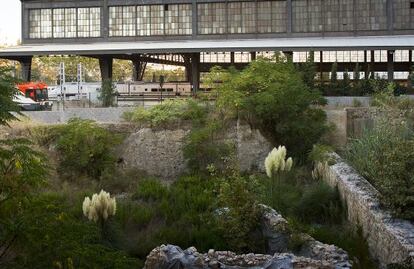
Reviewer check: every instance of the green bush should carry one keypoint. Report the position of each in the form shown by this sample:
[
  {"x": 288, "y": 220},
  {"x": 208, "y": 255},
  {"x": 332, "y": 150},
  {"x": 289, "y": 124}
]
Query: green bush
[
  {"x": 385, "y": 157},
  {"x": 108, "y": 94},
  {"x": 273, "y": 97},
  {"x": 205, "y": 146},
  {"x": 7, "y": 91},
  {"x": 170, "y": 111},
  {"x": 320, "y": 204},
  {"x": 239, "y": 215},
  {"x": 48, "y": 234},
  {"x": 85, "y": 149}
]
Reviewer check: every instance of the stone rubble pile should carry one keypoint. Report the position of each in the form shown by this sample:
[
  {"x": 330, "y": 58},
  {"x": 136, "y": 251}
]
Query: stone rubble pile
[
  {"x": 312, "y": 254},
  {"x": 173, "y": 257}
]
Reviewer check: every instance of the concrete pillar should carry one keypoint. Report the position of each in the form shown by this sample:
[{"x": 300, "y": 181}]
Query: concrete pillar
[
  {"x": 26, "y": 68},
  {"x": 195, "y": 72},
  {"x": 372, "y": 67},
  {"x": 289, "y": 55},
  {"x": 366, "y": 66},
  {"x": 390, "y": 65},
  {"x": 105, "y": 64},
  {"x": 138, "y": 70},
  {"x": 410, "y": 70},
  {"x": 232, "y": 57},
  {"x": 253, "y": 56}
]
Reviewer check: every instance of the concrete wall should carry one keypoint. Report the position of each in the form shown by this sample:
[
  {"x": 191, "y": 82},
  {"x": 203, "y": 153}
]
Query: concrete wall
[
  {"x": 390, "y": 240},
  {"x": 102, "y": 115}
]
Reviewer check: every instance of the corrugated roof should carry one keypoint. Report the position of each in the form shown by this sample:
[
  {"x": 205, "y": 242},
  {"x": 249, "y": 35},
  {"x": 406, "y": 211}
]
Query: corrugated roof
[{"x": 288, "y": 44}]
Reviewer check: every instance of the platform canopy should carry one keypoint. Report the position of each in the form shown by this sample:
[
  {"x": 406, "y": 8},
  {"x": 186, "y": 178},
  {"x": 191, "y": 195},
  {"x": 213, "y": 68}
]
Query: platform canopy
[{"x": 194, "y": 46}]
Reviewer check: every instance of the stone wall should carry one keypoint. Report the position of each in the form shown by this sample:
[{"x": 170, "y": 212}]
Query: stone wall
[
  {"x": 391, "y": 241},
  {"x": 158, "y": 152}
]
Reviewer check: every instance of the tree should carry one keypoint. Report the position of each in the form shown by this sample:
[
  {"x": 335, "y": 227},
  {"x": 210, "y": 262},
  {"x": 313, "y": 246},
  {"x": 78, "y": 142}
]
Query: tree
[
  {"x": 22, "y": 169},
  {"x": 107, "y": 93},
  {"x": 273, "y": 97},
  {"x": 308, "y": 70},
  {"x": 7, "y": 91}
]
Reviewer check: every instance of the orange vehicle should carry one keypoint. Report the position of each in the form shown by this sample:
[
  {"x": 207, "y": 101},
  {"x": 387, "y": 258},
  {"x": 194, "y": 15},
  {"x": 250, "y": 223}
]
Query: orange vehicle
[{"x": 37, "y": 91}]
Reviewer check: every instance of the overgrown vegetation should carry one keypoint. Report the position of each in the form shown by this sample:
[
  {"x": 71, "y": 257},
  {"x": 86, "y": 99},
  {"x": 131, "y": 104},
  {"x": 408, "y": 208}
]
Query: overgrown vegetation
[
  {"x": 214, "y": 206},
  {"x": 272, "y": 96},
  {"x": 85, "y": 149},
  {"x": 168, "y": 112},
  {"x": 107, "y": 96}
]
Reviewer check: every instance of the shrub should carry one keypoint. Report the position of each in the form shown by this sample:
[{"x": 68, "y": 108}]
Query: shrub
[
  {"x": 319, "y": 204},
  {"x": 85, "y": 149},
  {"x": 205, "y": 146},
  {"x": 385, "y": 156},
  {"x": 22, "y": 170},
  {"x": 167, "y": 112},
  {"x": 7, "y": 92},
  {"x": 239, "y": 214},
  {"x": 49, "y": 234},
  {"x": 107, "y": 96},
  {"x": 273, "y": 97}
]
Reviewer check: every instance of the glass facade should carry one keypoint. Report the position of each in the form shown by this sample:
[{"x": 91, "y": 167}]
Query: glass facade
[
  {"x": 271, "y": 16},
  {"x": 150, "y": 20},
  {"x": 371, "y": 15},
  {"x": 403, "y": 14},
  {"x": 212, "y": 18},
  {"x": 339, "y": 15},
  {"x": 122, "y": 21},
  {"x": 40, "y": 23},
  {"x": 217, "y": 18},
  {"x": 65, "y": 23},
  {"x": 307, "y": 16},
  {"x": 178, "y": 20}
]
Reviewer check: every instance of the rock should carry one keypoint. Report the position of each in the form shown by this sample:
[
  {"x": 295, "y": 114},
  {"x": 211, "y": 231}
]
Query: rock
[
  {"x": 277, "y": 234},
  {"x": 275, "y": 230},
  {"x": 169, "y": 256},
  {"x": 158, "y": 152}
]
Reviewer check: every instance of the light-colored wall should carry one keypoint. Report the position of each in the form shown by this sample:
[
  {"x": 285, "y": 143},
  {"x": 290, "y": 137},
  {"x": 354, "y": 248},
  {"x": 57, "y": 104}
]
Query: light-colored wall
[{"x": 390, "y": 240}]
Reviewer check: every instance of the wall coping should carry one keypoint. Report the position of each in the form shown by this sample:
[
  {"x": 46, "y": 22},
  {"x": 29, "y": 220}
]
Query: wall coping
[{"x": 390, "y": 240}]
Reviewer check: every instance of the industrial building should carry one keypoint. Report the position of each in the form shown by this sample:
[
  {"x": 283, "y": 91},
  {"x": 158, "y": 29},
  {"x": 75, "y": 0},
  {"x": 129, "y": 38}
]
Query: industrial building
[{"x": 198, "y": 34}]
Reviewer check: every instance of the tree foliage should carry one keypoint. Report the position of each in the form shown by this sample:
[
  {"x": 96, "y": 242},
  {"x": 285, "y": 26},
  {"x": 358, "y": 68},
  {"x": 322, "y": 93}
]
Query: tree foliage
[
  {"x": 107, "y": 96},
  {"x": 273, "y": 97},
  {"x": 7, "y": 91},
  {"x": 85, "y": 148}
]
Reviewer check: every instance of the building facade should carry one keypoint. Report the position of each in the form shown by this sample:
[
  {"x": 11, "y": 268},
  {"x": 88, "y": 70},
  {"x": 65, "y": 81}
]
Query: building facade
[
  {"x": 47, "y": 21},
  {"x": 199, "y": 34}
]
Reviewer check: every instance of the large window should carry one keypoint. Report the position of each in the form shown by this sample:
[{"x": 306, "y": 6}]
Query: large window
[
  {"x": 242, "y": 17},
  {"x": 144, "y": 20},
  {"x": 70, "y": 22},
  {"x": 40, "y": 23},
  {"x": 371, "y": 15},
  {"x": 89, "y": 22},
  {"x": 157, "y": 20},
  {"x": 212, "y": 18},
  {"x": 403, "y": 14},
  {"x": 64, "y": 23},
  {"x": 178, "y": 20},
  {"x": 122, "y": 21},
  {"x": 338, "y": 15},
  {"x": 271, "y": 16}
]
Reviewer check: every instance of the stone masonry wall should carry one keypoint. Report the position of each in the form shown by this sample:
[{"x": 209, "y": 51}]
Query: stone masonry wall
[
  {"x": 159, "y": 152},
  {"x": 391, "y": 241}
]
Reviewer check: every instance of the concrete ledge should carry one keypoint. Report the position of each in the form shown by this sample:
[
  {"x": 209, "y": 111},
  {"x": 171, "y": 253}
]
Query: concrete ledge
[
  {"x": 101, "y": 115},
  {"x": 391, "y": 241}
]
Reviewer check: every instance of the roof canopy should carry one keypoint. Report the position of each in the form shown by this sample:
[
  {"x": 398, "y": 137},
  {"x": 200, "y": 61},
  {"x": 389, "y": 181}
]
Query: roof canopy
[{"x": 188, "y": 46}]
